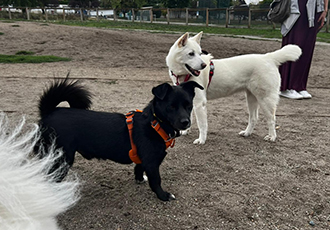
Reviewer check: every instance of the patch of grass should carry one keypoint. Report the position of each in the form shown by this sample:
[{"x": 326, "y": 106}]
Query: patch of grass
[
  {"x": 164, "y": 28},
  {"x": 6, "y": 21},
  {"x": 156, "y": 27},
  {"x": 111, "y": 82},
  {"x": 30, "y": 59},
  {"x": 23, "y": 52},
  {"x": 1, "y": 33},
  {"x": 15, "y": 26}
]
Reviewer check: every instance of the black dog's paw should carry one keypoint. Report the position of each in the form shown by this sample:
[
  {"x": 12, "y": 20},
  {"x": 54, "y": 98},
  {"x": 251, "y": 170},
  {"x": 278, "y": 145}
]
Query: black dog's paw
[
  {"x": 171, "y": 197},
  {"x": 144, "y": 180},
  {"x": 166, "y": 196}
]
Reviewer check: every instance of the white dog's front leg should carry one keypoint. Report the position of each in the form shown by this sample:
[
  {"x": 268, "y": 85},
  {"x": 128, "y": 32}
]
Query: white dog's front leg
[{"x": 201, "y": 118}]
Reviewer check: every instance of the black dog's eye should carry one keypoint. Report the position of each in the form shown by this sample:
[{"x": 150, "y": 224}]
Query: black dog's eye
[
  {"x": 191, "y": 53},
  {"x": 171, "y": 108},
  {"x": 187, "y": 105}
]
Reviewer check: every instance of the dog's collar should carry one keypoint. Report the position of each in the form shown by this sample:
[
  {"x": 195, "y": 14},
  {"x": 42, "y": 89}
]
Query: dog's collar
[
  {"x": 188, "y": 76},
  {"x": 168, "y": 139}
]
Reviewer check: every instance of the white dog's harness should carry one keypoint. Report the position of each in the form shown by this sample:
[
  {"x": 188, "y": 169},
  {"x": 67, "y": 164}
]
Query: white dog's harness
[{"x": 188, "y": 76}]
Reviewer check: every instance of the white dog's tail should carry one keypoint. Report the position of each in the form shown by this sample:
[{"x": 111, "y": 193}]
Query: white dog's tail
[
  {"x": 287, "y": 53},
  {"x": 30, "y": 199}
]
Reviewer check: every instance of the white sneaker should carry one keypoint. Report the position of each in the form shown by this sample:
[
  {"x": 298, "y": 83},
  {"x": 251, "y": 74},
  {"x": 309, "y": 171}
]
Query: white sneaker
[
  {"x": 305, "y": 94},
  {"x": 291, "y": 94}
]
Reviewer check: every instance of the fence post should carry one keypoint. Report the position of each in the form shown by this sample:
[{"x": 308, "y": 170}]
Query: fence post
[
  {"x": 114, "y": 15},
  {"x": 151, "y": 15},
  {"x": 274, "y": 25},
  {"x": 81, "y": 15},
  {"x": 249, "y": 23},
  {"x": 9, "y": 12},
  {"x": 133, "y": 15},
  {"x": 97, "y": 14},
  {"x": 168, "y": 16},
  {"x": 27, "y": 13},
  {"x": 227, "y": 17},
  {"x": 187, "y": 16},
  {"x": 46, "y": 14},
  {"x": 63, "y": 14},
  {"x": 207, "y": 17}
]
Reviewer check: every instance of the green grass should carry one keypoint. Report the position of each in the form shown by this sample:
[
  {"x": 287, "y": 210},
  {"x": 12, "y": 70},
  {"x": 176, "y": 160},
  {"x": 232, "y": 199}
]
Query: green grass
[
  {"x": 30, "y": 59},
  {"x": 156, "y": 27},
  {"x": 262, "y": 31},
  {"x": 266, "y": 33},
  {"x": 23, "y": 52}
]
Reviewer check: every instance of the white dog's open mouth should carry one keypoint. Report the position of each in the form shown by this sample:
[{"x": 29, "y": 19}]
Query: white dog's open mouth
[{"x": 192, "y": 71}]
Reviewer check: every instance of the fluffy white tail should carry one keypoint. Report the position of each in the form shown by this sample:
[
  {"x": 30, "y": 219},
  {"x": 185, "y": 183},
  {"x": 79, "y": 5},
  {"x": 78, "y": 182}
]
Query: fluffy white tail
[
  {"x": 30, "y": 199},
  {"x": 287, "y": 53}
]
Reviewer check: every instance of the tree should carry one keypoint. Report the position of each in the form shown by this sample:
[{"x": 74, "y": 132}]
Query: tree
[
  {"x": 176, "y": 3},
  {"x": 223, "y": 3},
  {"x": 29, "y": 3},
  {"x": 125, "y": 4},
  {"x": 84, "y": 3}
]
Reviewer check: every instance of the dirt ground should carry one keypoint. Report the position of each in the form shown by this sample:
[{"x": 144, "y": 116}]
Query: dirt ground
[{"x": 231, "y": 182}]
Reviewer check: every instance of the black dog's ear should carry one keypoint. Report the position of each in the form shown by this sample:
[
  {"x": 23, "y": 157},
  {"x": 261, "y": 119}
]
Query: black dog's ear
[
  {"x": 160, "y": 91},
  {"x": 190, "y": 86}
]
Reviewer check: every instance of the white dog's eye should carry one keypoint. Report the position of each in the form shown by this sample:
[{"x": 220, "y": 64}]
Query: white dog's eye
[{"x": 191, "y": 53}]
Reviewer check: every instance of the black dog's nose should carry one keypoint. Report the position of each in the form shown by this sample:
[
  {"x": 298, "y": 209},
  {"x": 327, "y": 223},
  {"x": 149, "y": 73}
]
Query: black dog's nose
[
  {"x": 185, "y": 122},
  {"x": 203, "y": 65}
]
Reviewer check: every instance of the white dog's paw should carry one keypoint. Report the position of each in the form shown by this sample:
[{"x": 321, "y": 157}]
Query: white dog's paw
[
  {"x": 184, "y": 132},
  {"x": 199, "y": 141},
  {"x": 145, "y": 179},
  {"x": 244, "y": 133},
  {"x": 270, "y": 138}
]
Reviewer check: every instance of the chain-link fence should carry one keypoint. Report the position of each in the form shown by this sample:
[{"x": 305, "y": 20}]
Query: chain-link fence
[{"x": 227, "y": 17}]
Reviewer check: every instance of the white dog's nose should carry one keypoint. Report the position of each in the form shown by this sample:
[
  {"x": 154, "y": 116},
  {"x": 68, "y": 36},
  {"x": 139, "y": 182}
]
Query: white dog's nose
[{"x": 203, "y": 65}]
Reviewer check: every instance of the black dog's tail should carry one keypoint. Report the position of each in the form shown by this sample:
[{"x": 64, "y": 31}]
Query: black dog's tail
[{"x": 64, "y": 90}]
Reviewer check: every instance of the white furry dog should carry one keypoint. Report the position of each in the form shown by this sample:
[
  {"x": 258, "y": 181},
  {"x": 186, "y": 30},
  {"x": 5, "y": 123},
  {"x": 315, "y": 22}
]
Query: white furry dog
[
  {"x": 29, "y": 198},
  {"x": 256, "y": 74}
]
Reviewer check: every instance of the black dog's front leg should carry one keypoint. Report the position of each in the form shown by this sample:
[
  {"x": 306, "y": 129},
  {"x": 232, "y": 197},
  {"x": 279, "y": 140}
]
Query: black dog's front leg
[
  {"x": 138, "y": 172},
  {"x": 155, "y": 183}
]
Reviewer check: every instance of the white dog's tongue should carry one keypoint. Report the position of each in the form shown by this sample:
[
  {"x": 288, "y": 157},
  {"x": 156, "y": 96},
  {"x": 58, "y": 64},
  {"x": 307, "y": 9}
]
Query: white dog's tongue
[{"x": 196, "y": 72}]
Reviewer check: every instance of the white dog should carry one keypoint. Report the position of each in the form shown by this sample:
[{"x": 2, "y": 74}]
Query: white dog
[
  {"x": 256, "y": 74},
  {"x": 29, "y": 198}
]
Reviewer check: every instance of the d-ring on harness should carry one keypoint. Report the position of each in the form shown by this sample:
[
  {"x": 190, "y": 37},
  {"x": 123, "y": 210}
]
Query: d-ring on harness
[{"x": 169, "y": 141}]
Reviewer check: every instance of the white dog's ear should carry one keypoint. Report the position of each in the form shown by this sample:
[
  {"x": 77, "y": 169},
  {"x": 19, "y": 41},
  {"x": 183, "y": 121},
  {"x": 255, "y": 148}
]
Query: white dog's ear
[
  {"x": 183, "y": 40},
  {"x": 198, "y": 37}
]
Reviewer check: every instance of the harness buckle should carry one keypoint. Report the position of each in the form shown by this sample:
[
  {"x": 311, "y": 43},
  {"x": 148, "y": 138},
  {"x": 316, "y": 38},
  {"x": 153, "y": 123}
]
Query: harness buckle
[
  {"x": 129, "y": 120},
  {"x": 154, "y": 124}
]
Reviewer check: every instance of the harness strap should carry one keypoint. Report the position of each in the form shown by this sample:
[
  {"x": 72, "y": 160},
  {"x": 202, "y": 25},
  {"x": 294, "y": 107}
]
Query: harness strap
[
  {"x": 169, "y": 141},
  {"x": 133, "y": 152},
  {"x": 211, "y": 73}
]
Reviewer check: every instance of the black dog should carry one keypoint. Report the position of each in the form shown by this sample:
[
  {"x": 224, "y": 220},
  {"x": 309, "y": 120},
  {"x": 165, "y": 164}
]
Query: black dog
[{"x": 104, "y": 135}]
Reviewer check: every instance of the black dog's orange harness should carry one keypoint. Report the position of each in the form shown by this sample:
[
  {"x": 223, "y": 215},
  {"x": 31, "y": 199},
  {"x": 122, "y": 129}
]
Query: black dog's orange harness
[{"x": 169, "y": 141}]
